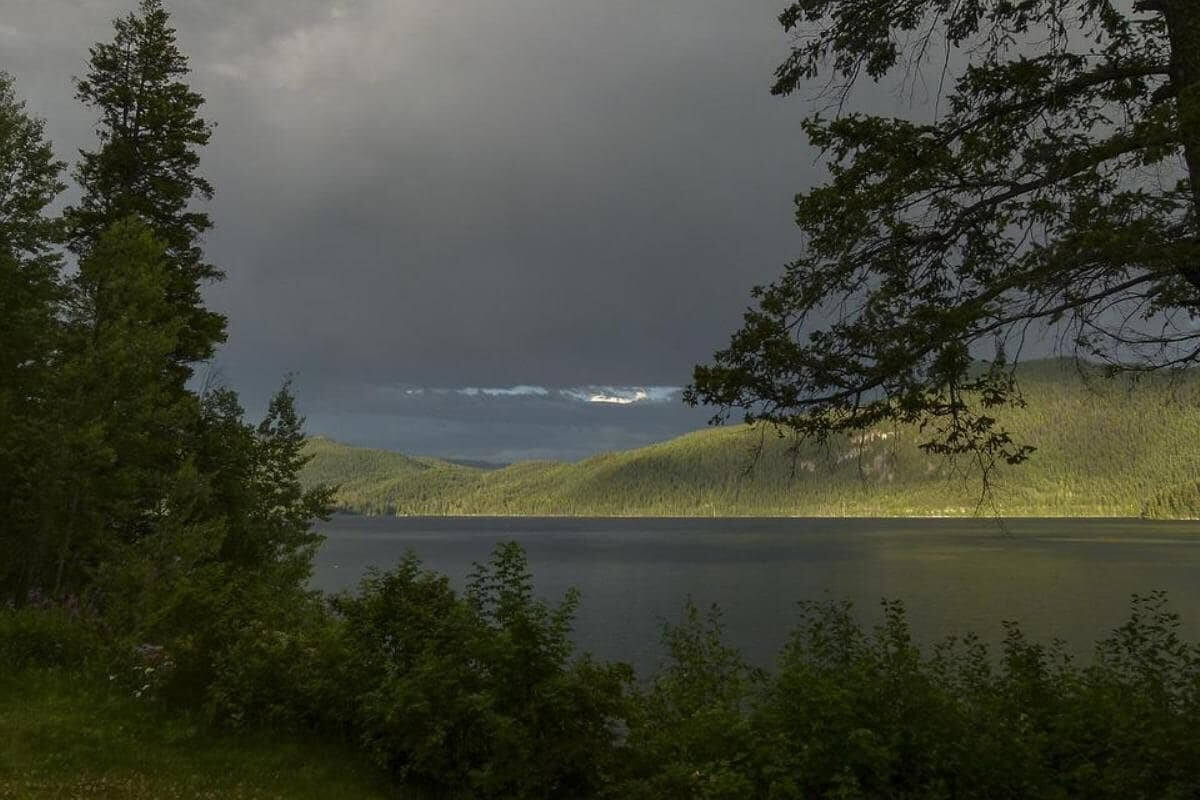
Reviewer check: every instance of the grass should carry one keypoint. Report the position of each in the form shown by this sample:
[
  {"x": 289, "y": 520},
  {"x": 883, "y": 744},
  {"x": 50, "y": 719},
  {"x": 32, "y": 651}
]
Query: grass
[
  {"x": 1105, "y": 448},
  {"x": 61, "y": 736}
]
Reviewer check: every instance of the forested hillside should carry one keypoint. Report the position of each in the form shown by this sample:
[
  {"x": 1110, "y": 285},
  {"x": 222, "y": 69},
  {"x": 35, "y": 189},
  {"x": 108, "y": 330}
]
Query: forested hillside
[{"x": 1103, "y": 448}]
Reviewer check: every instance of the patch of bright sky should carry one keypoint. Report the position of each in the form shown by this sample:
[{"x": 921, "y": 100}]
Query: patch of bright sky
[
  {"x": 512, "y": 391},
  {"x": 621, "y": 396},
  {"x": 612, "y": 395},
  {"x": 620, "y": 400}
]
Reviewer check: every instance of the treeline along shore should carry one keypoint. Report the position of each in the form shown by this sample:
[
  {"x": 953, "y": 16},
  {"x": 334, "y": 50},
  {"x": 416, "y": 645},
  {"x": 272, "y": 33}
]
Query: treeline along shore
[{"x": 1112, "y": 448}]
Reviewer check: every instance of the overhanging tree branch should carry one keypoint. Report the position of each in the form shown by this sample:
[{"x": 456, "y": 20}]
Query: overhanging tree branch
[{"x": 1029, "y": 203}]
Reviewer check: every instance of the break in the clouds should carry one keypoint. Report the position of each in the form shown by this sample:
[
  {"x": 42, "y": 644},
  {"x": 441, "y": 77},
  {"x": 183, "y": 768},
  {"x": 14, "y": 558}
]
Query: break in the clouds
[
  {"x": 502, "y": 424},
  {"x": 470, "y": 193},
  {"x": 589, "y": 394},
  {"x": 626, "y": 396},
  {"x": 512, "y": 391}
]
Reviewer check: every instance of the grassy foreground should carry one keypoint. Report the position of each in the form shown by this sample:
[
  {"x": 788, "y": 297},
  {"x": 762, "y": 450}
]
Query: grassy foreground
[
  {"x": 1105, "y": 448},
  {"x": 63, "y": 737}
]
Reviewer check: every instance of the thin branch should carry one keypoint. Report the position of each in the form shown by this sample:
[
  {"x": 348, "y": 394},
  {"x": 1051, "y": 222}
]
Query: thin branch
[{"x": 1101, "y": 75}]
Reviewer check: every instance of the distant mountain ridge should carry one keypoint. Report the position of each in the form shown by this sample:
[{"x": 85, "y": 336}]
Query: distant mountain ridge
[{"x": 1105, "y": 448}]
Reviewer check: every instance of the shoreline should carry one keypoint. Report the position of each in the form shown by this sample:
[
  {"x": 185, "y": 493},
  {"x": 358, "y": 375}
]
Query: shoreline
[{"x": 981, "y": 517}]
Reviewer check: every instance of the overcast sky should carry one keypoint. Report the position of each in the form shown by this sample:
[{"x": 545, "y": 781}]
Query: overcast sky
[{"x": 450, "y": 194}]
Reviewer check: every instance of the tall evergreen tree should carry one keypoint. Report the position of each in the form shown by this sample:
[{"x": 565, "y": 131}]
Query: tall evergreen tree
[
  {"x": 177, "y": 517},
  {"x": 123, "y": 421},
  {"x": 175, "y": 512},
  {"x": 29, "y": 293},
  {"x": 150, "y": 132},
  {"x": 136, "y": 321}
]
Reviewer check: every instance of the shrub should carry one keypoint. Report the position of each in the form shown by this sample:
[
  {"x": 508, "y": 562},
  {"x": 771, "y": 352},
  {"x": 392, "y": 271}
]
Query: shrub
[
  {"x": 477, "y": 695},
  {"x": 861, "y": 714},
  {"x": 480, "y": 694},
  {"x": 854, "y": 713},
  {"x": 282, "y": 669},
  {"x": 48, "y": 635},
  {"x": 689, "y": 734}
]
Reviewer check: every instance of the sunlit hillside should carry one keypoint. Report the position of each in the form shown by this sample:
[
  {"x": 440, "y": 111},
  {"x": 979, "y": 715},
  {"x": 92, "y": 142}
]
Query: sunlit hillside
[{"x": 1104, "y": 448}]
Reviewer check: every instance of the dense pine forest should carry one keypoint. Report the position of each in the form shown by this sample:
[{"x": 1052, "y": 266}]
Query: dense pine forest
[{"x": 1104, "y": 448}]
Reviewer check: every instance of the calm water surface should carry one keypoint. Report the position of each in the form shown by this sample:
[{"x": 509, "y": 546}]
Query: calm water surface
[{"x": 1070, "y": 579}]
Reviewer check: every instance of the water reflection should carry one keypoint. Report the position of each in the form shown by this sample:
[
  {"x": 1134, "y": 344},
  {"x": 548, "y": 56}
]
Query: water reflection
[{"x": 1070, "y": 579}]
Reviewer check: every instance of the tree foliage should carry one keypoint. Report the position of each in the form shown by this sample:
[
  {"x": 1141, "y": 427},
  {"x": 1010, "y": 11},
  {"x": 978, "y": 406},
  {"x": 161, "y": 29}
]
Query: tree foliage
[
  {"x": 480, "y": 694},
  {"x": 1056, "y": 187},
  {"x": 30, "y": 297},
  {"x": 119, "y": 418},
  {"x": 850, "y": 712},
  {"x": 150, "y": 133},
  {"x": 126, "y": 494}
]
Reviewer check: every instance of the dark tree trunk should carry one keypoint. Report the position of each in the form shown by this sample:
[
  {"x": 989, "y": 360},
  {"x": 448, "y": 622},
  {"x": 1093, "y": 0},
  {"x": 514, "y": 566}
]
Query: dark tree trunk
[
  {"x": 1183, "y": 22},
  {"x": 1183, "y": 29}
]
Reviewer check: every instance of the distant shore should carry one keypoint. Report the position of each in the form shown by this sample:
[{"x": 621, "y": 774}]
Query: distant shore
[{"x": 984, "y": 517}]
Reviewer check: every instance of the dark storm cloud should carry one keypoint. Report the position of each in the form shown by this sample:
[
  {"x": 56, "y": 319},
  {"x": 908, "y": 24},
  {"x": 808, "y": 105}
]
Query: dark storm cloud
[
  {"x": 467, "y": 192},
  {"x": 519, "y": 192}
]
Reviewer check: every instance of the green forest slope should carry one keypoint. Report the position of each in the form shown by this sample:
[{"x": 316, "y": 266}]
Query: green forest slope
[{"x": 1104, "y": 448}]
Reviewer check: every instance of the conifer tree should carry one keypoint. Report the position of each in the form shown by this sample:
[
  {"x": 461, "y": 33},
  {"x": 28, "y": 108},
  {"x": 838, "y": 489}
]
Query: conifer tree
[
  {"x": 123, "y": 420},
  {"x": 176, "y": 506},
  {"x": 29, "y": 293},
  {"x": 150, "y": 133},
  {"x": 136, "y": 321}
]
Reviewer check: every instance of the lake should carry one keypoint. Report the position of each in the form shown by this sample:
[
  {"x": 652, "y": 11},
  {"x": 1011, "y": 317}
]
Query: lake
[{"x": 1065, "y": 578}]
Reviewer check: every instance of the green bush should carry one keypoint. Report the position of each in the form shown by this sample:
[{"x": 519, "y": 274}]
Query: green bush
[
  {"x": 477, "y": 695},
  {"x": 480, "y": 694},
  {"x": 44, "y": 635},
  {"x": 689, "y": 734},
  {"x": 211, "y": 591},
  {"x": 850, "y": 713},
  {"x": 282, "y": 670}
]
